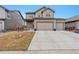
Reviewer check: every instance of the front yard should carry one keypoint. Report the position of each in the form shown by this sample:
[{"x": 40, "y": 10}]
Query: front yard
[{"x": 15, "y": 41}]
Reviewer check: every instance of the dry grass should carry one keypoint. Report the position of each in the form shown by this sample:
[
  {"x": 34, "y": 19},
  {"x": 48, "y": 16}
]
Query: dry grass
[{"x": 15, "y": 41}]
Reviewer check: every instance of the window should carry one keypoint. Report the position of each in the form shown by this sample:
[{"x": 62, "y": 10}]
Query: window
[{"x": 47, "y": 14}]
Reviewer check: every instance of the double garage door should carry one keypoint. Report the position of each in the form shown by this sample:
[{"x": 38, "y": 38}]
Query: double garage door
[
  {"x": 45, "y": 26},
  {"x": 49, "y": 26}
]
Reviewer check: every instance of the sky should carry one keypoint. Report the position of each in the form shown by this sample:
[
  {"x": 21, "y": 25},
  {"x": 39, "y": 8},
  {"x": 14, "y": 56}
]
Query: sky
[{"x": 61, "y": 11}]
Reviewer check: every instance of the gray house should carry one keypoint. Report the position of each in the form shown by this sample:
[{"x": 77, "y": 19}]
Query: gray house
[
  {"x": 14, "y": 20},
  {"x": 10, "y": 20}
]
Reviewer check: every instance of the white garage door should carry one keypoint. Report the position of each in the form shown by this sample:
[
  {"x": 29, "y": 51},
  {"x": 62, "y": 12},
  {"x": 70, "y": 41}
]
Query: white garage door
[
  {"x": 59, "y": 26},
  {"x": 44, "y": 26},
  {"x": 0, "y": 26}
]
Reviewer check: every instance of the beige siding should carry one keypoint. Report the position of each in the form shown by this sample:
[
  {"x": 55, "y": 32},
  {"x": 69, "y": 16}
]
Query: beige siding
[
  {"x": 38, "y": 14},
  {"x": 29, "y": 16},
  {"x": 71, "y": 24},
  {"x": 49, "y": 12},
  {"x": 13, "y": 21},
  {"x": 77, "y": 25},
  {"x": 3, "y": 13}
]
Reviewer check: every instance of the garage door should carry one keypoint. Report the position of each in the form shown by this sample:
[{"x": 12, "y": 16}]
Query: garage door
[
  {"x": 44, "y": 26},
  {"x": 59, "y": 26},
  {"x": 0, "y": 26}
]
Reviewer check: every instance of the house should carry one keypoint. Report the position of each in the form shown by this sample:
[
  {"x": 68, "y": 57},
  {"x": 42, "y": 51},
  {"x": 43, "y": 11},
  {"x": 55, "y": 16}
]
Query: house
[
  {"x": 43, "y": 19},
  {"x": 3, "y": 16},
  {"x": 72, "y": 24},
  {"x": 10, "y": 20},
  {"x": 14, "y": 21}
]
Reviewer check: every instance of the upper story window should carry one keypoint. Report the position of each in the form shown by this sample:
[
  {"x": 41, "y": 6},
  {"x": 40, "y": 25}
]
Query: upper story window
[{"x": 47, "y": 14}]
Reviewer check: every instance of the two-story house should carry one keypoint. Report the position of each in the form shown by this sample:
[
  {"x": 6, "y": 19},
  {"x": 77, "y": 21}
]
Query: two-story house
[
  {"x": 10, "y": 20},
  {"x": 14, "y": 21},
  {"x": 43, "y": 19}
]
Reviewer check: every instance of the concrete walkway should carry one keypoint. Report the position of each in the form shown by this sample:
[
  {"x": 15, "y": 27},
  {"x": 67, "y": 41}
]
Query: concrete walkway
[{"x": 53, "y": 41}]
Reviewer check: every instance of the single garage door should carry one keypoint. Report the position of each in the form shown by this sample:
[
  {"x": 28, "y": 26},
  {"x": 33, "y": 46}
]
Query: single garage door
[
  {"x": 1, "y": 26},
  {"x": 44, "y": 26},
  {"x": 60, "y": 26}
]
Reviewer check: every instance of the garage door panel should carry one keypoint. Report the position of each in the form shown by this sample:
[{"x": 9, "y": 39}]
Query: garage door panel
[
  {"x": 44, "y": 26},
  {"x": 0, "y": 26},
  {"x": 59, "y": 26}
]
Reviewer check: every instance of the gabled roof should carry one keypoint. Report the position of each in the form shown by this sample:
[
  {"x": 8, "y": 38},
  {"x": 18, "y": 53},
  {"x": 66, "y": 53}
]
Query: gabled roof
[
  {"x": 18, "y": 12},
  {"x": 11, "y": 11},
  {"x": 45, "y": 8},
  {"x": 4, "y": 8},
  {"x": 39, "y": 10},
  {"x": 74, "y": 18}
]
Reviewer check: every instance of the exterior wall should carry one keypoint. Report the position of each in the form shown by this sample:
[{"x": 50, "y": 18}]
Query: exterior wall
[
  {"x": 77, "y": 25},
  {"x": 13, "y": 21},
  {"x": 29, "y": 16},
  {"x": 3, "y": 13},
  {"x": 54, "y": 23},
  {"x": 30, "y": 25},
  {"x": 1, "y": 25},
  {"x": 71, "y": 24},
  {"x": 38, "y": 14},
  {"x": 46, "y": 12}
]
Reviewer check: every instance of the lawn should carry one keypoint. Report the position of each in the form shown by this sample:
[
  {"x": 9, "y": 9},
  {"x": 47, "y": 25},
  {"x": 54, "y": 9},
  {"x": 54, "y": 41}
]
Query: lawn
[{"x": 15, "y": 41}]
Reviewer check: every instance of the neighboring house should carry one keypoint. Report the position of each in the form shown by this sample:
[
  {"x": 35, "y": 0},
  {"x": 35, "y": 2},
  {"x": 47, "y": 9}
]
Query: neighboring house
[
  {"x": 72, "y": 24},
  {"x": 3, "y": 16},
  {"x": 14, "y": 21},
  {"x": 10, "y": 20},
  {"x": 43, "y": 19}
]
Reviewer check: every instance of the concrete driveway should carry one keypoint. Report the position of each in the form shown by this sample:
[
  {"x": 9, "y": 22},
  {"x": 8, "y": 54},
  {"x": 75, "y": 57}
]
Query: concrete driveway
[{"x": 56, "y": 41}]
